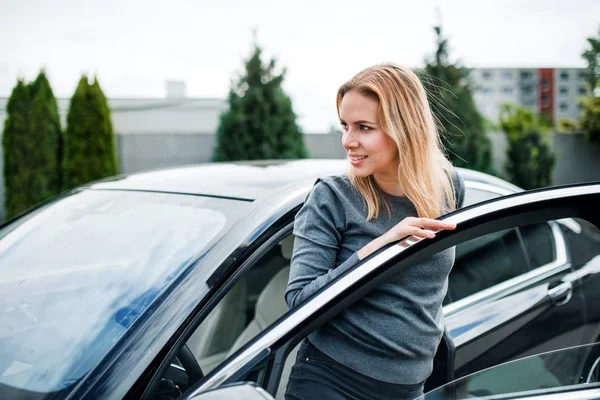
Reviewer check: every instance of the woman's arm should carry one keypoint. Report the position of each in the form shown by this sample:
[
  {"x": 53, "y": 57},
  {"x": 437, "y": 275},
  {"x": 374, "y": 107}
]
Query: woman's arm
[
  {"x": 318, "y": 229},
  {"x": 418, "y": 227}
]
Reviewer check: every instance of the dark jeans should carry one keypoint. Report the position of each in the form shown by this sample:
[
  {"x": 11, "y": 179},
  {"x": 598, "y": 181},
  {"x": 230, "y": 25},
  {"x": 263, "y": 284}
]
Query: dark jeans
[{"x": 317, "y": 376}]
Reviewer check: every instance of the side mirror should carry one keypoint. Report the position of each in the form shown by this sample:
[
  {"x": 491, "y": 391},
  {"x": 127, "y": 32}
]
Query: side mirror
[{"x": 238, "y": 391}]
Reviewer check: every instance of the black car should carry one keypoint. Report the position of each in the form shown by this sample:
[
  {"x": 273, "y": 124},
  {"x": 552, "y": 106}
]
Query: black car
[{"x": 170, "y": 283}]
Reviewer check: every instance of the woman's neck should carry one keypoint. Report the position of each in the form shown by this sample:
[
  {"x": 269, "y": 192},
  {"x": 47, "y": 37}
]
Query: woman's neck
[{"x": 389, "y": 184}]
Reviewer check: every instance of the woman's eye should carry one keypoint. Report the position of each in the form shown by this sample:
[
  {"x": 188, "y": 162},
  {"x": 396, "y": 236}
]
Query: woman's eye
[
  {"x": 344, "y": 126},
  {"x": 364, "y": 127}
]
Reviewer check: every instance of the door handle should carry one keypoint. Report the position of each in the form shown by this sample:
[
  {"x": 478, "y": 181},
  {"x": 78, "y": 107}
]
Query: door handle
[{"x": 561, "y": 294}]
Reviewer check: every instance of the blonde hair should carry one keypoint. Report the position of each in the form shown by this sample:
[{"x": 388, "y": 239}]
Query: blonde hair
[{"x": 405, "y": 116}]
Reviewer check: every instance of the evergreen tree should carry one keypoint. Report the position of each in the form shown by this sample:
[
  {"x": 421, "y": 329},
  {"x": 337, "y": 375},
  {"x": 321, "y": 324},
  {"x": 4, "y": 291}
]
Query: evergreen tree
[
  {"x": 46, "y": 137},
  {"x": 260, "y": 122},
  {"x": 31, "y": 145},
  {"x": 89, "y": 142},
  {"x": 451, "y": 100},
  {"x": 16, "y": 148}
]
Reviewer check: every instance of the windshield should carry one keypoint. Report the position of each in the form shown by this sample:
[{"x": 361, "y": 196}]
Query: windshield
[
  {"x": 77, "y": 273},
  {"x": 574, "y": 368}
]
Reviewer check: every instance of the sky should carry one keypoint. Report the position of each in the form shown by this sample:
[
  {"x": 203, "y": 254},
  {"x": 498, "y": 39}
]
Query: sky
[{"x": 135, "y": 46}]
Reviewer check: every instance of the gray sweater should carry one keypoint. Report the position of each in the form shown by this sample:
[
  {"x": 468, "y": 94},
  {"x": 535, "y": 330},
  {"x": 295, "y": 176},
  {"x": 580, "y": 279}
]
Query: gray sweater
[{"x": 393, "y": 332}]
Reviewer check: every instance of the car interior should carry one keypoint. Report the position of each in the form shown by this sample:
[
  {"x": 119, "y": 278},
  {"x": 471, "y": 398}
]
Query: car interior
[{"x": 254, "y": 302}]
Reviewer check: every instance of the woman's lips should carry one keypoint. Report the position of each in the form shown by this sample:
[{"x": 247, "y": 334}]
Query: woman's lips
[{"x": 357, "y": 160}]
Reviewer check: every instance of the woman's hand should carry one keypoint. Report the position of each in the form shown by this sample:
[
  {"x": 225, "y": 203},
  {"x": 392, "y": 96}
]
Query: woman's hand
[
  {"x": 410, "y": 226},
  {"x": 424, "y": 228}
]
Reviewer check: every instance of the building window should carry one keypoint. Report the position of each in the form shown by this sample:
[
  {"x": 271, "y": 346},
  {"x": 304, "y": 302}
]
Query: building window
[
  {"x": 527, "y": 90},
  {"x": 507, "y": 75},
  {"x": 486, "y": 75},
  {"x": 564, "y": 91},
  {"x": 545, "y": 85},
  {"x": 507, "y": 90},
  {"x": 564, "y": 107},
  {"x": 526, "y": 75},
  {"x": 564, "y": 76},
  {"x": 487, "y": 91},
  {"x": 582, "y": 90},
  {"x": 545, "y": 101},
  {"x": 583, "y": 75}
]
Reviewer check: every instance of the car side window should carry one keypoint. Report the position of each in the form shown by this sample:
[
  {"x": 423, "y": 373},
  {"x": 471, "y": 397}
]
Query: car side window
[
  {"x": 539, "y": 244},
  {"x": 474, "y": 196},
  {"x": 583, "y": 238},
  {"x": 542, "y": 373},
  {"x": 255, "y": 301},
  {"x": 486, "y": 261}
]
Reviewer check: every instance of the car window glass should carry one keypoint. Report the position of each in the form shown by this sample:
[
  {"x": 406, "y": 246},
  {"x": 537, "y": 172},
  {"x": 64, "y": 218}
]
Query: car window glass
[
  {"x": 539, "y": 244},
  {"x": 254, "y": 302},
  {"x": 547, "y": 372},
  {"x": 583, "y": 240},
  {"x": 486, "y": 261},
  {"x": 474, "y": 196},
  {"x": 77, "y": 273}
]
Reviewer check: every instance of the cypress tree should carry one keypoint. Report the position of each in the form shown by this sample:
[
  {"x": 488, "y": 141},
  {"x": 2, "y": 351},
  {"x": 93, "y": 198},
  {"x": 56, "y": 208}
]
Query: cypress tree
[
  {"x": 46, "y": 137},
  {"x": 89, "y": 142},
  {"x": 260, "y": 122},
  {"x": 16, "y": 148},
  {"x": 451, "y": 100},
  {"x": 31, "y": 145}
]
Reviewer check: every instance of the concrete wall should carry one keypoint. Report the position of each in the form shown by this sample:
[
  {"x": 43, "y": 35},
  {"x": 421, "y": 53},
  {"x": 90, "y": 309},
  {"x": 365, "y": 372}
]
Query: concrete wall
[
  {"x": 576, "y": 160},
  {"x": 139, "y": 152}
]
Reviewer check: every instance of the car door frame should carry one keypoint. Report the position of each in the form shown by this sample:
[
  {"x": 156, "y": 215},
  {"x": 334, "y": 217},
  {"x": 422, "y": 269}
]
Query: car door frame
[{"x": 490, "y": 216}]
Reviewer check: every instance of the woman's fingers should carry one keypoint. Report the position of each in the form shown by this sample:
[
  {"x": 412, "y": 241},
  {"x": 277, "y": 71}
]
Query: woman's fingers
[
  {"x": 422, "y": 233},
  {"x": 421, "y": 228},
  {"x": 433, "y": 224}
]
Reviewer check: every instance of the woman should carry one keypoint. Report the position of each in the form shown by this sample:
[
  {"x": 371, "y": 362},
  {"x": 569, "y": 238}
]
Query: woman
[{"x": 397, "y": 182}]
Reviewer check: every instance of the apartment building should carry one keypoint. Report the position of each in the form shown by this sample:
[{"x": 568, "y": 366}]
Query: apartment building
[{"x": 553, "y": 92}]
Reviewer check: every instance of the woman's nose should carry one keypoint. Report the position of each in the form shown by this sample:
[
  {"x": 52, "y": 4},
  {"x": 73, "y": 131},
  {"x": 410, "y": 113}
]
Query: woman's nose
[{"x": 349, "y": 140}]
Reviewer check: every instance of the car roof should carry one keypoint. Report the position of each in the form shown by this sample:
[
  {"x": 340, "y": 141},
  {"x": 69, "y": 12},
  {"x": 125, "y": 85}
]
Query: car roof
[{"x": 248, "y": 180}]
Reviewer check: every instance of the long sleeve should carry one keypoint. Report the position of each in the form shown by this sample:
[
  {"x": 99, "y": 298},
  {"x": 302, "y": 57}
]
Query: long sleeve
[{"x": 318, "y": 229}]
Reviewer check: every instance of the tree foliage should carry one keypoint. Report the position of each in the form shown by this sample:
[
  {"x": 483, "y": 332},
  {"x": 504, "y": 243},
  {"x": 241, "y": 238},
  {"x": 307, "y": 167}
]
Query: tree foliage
[
  {"x": 89, "y": 143},
  {"x": 530, "y": 160},
  {"x": 590, "y": 119},
  {"x": 260, "y": 122},
  {"x": 32, "y": 142},
  {"x": 451, "y": 99},
  {"x": 592, "y": 56},
  {"x": 46, "y": 136}
]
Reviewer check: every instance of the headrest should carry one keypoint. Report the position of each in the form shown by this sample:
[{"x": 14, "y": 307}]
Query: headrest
[{"x": 287, "y": 247}]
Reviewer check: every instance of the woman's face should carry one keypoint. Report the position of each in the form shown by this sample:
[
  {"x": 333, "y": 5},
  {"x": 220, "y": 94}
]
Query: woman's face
[{"x": 370, "y": 150}]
